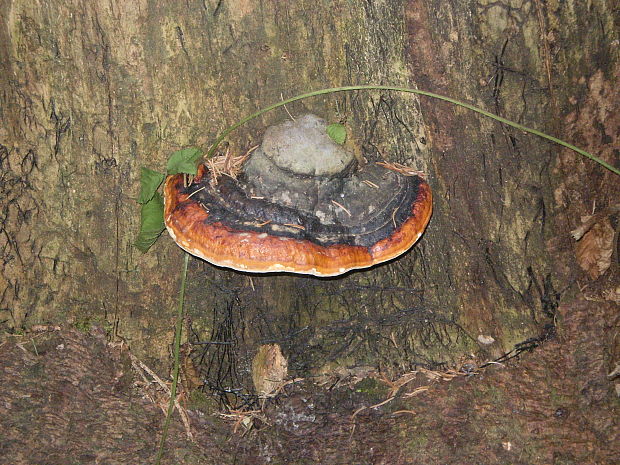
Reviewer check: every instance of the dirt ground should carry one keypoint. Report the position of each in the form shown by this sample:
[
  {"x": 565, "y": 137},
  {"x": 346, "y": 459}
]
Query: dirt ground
[{"x": 68, "y": 396}]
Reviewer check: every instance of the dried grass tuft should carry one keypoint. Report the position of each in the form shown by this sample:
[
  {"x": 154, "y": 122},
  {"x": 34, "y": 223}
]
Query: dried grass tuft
[{"x": 227, "y": 164}]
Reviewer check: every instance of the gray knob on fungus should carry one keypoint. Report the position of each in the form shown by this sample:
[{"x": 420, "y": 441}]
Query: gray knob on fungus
[{"x": 301, "y": 205}]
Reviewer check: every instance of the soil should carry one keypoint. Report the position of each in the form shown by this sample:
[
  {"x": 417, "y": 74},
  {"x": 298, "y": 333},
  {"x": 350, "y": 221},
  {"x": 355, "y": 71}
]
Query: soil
[{"x": 70, "y": 396}]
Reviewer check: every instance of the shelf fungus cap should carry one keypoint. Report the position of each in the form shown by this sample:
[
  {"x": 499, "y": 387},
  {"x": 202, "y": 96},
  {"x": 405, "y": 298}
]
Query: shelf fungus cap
[{"x": 301, "y": 205}]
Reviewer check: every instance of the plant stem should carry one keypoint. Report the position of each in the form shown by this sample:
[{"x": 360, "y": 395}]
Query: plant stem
[
  {"x": 332, "y": 90},
  {"x": 177, "y": 350}
]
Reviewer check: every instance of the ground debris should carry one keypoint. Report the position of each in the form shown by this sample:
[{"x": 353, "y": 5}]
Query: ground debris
[{"x": 555, "y": 403}]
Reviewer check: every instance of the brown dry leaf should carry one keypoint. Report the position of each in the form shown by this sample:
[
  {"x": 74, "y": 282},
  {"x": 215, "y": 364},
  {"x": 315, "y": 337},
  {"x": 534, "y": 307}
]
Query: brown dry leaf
[
  {"x": 190, "y": 378},
  {"x": 595, "y": 248},
  {"x": 269, "y": 369},
  {"x": 588, "y": 221}
]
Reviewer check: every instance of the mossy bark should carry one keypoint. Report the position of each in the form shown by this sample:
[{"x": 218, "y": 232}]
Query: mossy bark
[{"x": 90, "y": 92}]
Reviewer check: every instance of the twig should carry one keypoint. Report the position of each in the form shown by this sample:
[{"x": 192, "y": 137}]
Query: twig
[
  {"x": 197, "y": 190},
  {"x": 298, "y": 226},
  {"x": 370, "y": 183},
  {"x": 416, "y": 391},
  {"x": 286, "y": 109},
  {"x": 140, "y": 366},
  {"x": 402, "y": 169},
  {"x": 341, "y": 206}
]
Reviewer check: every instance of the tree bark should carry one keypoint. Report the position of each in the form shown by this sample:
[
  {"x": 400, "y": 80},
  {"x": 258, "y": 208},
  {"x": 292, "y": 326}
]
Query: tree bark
[{"x": 92, "y": 91}]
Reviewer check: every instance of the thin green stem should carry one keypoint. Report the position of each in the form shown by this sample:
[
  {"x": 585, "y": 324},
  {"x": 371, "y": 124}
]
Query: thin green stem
[
  {"x": 177, "y": 350},
  {"x": 332, "y": 90}
]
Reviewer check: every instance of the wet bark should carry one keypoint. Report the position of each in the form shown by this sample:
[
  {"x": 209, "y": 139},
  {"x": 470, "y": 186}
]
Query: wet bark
[{"x": 91, "y": 91}]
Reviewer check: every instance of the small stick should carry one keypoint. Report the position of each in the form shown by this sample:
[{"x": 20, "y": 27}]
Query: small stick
[
  {"x": 298, "y": 226},
  {"x": 339, "y": 205},
  {"x": 139, "y": 364},
  {"x": 370, "y": 183},
  {"x": 286, "y": 109},
  {"x": 416, "y": 391},
  {"x": 197, "y": 190},
  {"x": 358, "y": 411},
  {"x": 390, "y": 399},
  {"x": 402, "y": 169}
]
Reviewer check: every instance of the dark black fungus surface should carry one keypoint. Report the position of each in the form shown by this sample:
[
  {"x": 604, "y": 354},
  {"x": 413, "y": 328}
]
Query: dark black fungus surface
[{"x": 228, "y": 204}]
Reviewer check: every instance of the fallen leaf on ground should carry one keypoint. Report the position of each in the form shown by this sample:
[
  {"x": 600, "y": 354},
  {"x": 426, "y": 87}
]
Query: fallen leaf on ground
[{"x": 595, "y": 248}]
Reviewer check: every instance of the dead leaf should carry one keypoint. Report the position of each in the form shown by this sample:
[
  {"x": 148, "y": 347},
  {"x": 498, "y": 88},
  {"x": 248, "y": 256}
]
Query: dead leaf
[
  {"x": 269, "y": 369},
  {"x": 595, "y": 248},
  {"x": 588, "y": 221},
  {"x": 485, "y": 339},
  {"x": 190, "y": 378}
]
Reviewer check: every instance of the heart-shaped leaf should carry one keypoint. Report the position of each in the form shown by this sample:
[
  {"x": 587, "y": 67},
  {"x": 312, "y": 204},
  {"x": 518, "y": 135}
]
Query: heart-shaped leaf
[
  {"x": 149, "y": 182},
  {"x": 184, "y": 161},
  {"x": 151, "y": 222},
  {"x": 337, "y": 132}
]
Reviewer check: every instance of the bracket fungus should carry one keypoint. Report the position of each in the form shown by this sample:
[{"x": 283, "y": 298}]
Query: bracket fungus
[{"x": 301, "y": 205}]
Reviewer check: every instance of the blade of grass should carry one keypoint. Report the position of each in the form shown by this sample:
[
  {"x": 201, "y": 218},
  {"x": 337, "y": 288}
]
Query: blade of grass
[
  {"x": 177, "y": 349},
  {"x": 332, "y": 90}
]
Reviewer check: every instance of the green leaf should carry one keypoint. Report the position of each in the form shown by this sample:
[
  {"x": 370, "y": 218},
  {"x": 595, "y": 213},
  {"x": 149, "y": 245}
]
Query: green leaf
[
  {"x": 184, "y": 161},
  {"x": 149, "y": 182},
  {"x": 337, "y": 132},
  {"x": 151, "y": 222}
]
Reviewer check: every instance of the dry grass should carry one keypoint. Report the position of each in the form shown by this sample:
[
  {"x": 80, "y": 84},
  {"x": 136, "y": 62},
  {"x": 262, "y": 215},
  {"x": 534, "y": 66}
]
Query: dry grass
[
  {"x": 402, "y": 169},
  {"x": 396, "y": 385},
  {"x": 158, "y": 392},
  {"x": 227, "y": 164}
]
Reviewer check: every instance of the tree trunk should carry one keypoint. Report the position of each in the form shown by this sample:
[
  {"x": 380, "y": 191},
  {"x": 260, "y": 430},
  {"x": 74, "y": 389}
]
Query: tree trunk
[{"x": 92, "y": 91}]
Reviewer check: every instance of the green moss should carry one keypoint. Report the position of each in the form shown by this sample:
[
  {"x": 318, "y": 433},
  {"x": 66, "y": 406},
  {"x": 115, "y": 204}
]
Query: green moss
[
  {"x": 372, "y": 389},
  {"x": 417, "y": 442},
  {"x": 198, "y": 400},
  {"x": 35, "y": 372},
  {"x": 83, "y": 324},
  {"x": 495, "y": 394},
  {"x": 490, "y": 393},
  {"x": 557, "y": 399}
]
